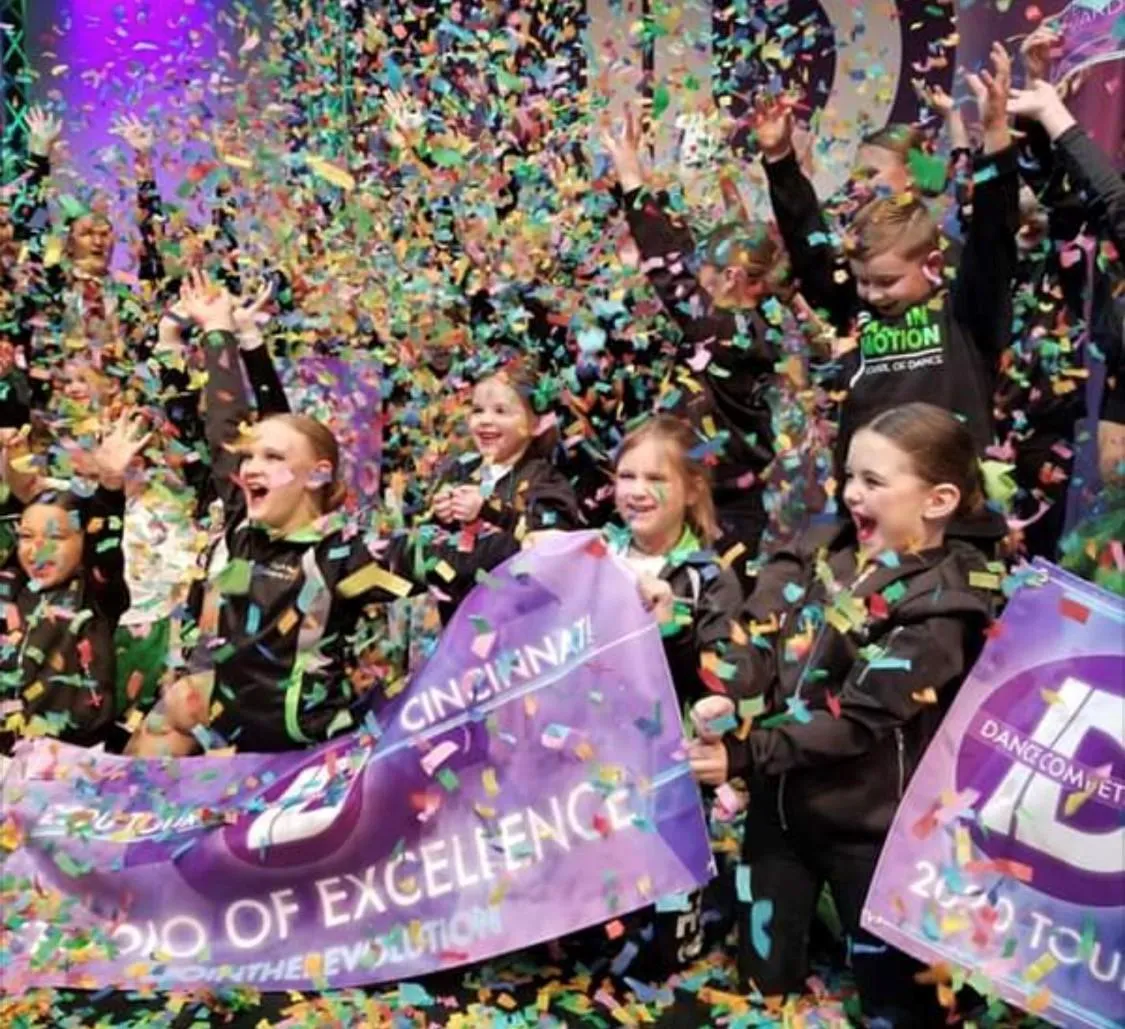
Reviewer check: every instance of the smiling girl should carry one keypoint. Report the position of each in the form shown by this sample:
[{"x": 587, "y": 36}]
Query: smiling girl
[
  {"x": 663, "y": 496},
  {"x": 63, "y": 602},
  {"x": 509, "y": 483},
  {"x": 871, "y": 627},
  {"x": 288, "y": 579}
]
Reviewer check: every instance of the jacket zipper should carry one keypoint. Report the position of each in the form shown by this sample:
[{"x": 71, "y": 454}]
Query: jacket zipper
[
  {"x": 901, "y": 762},
  {"x": 814, "y": 651}
]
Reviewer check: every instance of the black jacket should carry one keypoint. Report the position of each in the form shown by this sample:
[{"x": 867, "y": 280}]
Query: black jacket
[
  {"x": 700, "y": 653},
  {"x": 1094, "y": 175},
  {"x": 857, "y": 722},
  {"x": 741, "y": 350},
  {"x": 944, "y": 351},
  {"x": 533, "y": 495},
  {"x": 57, "y": 662},
  {"x": 277, "y": 616}
]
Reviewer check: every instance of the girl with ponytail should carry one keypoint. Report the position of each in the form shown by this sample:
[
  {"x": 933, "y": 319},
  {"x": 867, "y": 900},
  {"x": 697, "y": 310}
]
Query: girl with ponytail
[
  {"x": 288, "y": 578},
  {"x": 859, "y": 636}
]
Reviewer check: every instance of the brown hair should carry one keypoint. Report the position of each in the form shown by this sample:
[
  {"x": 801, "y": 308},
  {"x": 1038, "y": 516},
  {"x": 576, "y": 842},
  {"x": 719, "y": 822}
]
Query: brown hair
[
  {"x": 902, "y": 223},
  {"x": 521, "y": 378},
  {"x": 325, "y": 447},
  {"x": 898, "y": 137},
  {"x": 679, "y": 440},
  {"x": 939, "y": 446}
]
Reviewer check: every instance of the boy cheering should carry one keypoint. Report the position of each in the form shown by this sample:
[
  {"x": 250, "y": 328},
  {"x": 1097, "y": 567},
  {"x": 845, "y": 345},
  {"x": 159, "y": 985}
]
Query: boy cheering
[{"x": 917, "y": 338}]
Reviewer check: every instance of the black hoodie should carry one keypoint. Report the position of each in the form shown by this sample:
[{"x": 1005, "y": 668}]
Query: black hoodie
[
  {"x": 58, "y": 665},
  {"x": 277, "y": 615},
  {"x": 738, "y": 347},
  {"x": 865, "y": 686},
  {"x": 943, "y": 351}
]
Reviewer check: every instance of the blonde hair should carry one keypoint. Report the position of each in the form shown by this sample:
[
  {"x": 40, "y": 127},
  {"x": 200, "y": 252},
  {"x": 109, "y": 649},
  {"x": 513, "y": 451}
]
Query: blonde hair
[
  {"x": 897, "y": 138},
  {"x": 325, "y": 447},
  {"x": 679, "y": 440},
  {"x": 901, "y": 223}
]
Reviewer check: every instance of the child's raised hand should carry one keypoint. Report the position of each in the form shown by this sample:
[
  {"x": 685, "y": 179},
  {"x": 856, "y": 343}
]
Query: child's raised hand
[
  {"x": 709, "y": 762},
  {"x": 656, "y": 596},
  {"x": 707, "y": 712},
  {"x": 1034, "y": 101},
  {"x": 406, "y": 120},
  {"x": 991, "y": 90},
  {"x": 934, "y": 97},
  {"x": 1036, "y": 52},
  {"x": 43, "y": 131},
  {"x": 135, "y": 132},
  {"x": 773, "y": 128},
  {"x": 251, "y": 316},
  {"x": 211, "y": 306},
  {"x": 624, "y": 149},
  {"x": 119, "y": 447}
]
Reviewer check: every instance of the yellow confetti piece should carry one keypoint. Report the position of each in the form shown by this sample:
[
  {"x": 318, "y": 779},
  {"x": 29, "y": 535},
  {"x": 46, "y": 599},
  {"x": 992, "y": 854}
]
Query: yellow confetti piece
[
  {"x": 331, "y": 173},
  {"x": 133, "y": 721},
  {"x": 1041, "y": 967},
  {"x": 964, "y": 845},
  {"x": 1075, "y": 800},
  {"x": 926, "y": 696},
  {"x": 488, "y": 778},
  {"x": 238, "y": 162},
  {"x": 374, "y": 576},
  {"x": 445, "y": 571},
  {"x": 287, "y": 621},
  {"x": 984, "y": 580}
]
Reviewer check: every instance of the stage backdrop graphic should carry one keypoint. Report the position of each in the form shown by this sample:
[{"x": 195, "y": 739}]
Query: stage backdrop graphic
[
  {"x": 529, "y": 782},
  {"x": 1007, "y": 857}
]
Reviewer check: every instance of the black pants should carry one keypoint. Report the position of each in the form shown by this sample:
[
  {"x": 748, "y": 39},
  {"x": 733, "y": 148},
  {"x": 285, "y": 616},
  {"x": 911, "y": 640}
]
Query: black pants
[{"x": 790, "y": 869}]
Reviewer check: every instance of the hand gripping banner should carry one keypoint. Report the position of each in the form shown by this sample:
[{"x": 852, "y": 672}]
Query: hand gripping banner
[
  {"x": 1007, "y": 857},
  {"x": 526, "y": 784}
]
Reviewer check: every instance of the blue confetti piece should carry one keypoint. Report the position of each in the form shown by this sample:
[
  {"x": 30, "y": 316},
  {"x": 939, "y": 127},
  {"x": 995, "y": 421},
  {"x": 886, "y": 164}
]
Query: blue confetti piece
[
  {"x": 761, "y": 915},
  {"x": 742, "y": 884}
]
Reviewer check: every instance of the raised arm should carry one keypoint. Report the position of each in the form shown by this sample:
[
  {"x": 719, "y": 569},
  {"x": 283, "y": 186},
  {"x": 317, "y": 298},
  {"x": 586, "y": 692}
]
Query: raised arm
[
  {"x": 982, "y": 291},
  {"x": 814, "y": 251},
  {"x": 265, "y": 383},
  {"x": 29, "y": 210},
  {"x": 150, "y": 208},
  {"x": 212, "y": 309},
  {"x": 104, "y": 559},
  {"x": 1088, "y": 168},
  {"x": 665, "y": 246}
]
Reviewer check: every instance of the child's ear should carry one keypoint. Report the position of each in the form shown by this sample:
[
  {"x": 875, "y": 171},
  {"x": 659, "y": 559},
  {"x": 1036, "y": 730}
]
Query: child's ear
[
  {"x": 934, "y": 267},
  {"x": 942, "y": 501},
  {"x": 321, "y": 475}
]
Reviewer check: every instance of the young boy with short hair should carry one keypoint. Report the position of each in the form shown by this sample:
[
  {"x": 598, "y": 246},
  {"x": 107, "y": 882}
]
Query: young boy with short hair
[{"x": 917, "y": 338}]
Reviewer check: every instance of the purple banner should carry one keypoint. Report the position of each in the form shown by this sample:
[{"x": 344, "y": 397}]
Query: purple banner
[
  {"x": 1007, "y": 857},
  {"x": 528, "y": 783},
  {"x": 1093, "y": 32}
]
